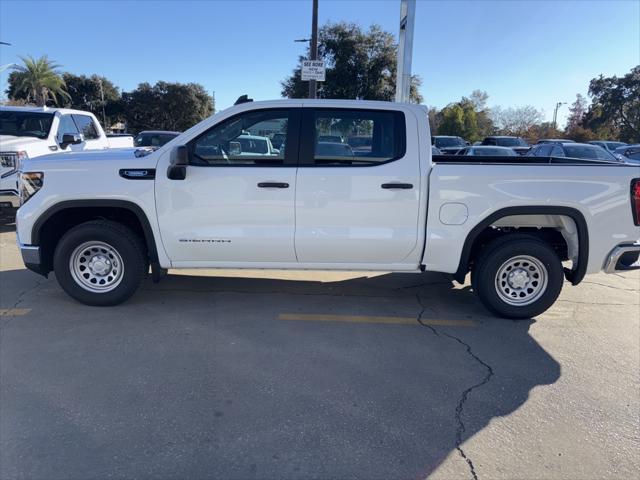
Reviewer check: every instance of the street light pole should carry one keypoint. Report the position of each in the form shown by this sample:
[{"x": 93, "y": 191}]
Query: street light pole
[
  {"x": 555, "y": 114},
  {"x": 313, "y": 87}
]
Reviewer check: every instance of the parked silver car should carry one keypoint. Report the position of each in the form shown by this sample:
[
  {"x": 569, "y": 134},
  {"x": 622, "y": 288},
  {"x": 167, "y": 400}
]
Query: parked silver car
[
  {"x": 583, "y": 151},
  {"x": 490, "y": 151},
  {"x": 628, "y": 153},
  {"x": 608, "y": 145}
]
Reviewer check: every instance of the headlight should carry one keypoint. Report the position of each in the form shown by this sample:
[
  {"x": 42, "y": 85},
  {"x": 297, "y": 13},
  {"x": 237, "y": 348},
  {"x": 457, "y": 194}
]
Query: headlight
[{"x": 29, "y": 184}]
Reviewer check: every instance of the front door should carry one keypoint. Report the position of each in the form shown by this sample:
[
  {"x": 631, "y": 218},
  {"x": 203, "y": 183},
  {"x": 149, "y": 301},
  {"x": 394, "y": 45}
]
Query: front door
[
  {"x": 236, "y": 205},
  {"x": 358, "y": 185}
]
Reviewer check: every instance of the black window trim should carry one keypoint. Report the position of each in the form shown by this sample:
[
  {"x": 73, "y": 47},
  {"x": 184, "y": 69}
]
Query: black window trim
[
  {"x": 291, "y": 147},
  {"x": 307, "y": 137}
]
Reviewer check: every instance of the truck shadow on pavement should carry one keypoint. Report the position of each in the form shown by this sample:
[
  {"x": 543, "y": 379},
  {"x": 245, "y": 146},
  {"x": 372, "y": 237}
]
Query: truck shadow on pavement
[{"x": 221, "y": 387}]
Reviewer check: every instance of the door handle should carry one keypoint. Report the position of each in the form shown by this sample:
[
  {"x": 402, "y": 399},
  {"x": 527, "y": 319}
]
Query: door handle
[
  {"x": 273, "y": 185},
  {"x": 402, "y": 186}
]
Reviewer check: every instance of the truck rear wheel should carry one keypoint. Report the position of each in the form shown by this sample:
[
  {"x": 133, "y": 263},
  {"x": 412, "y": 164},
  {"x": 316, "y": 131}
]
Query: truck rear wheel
[
  {"x": 518, "y": 276},
  {"x": 100, "y": 263}
]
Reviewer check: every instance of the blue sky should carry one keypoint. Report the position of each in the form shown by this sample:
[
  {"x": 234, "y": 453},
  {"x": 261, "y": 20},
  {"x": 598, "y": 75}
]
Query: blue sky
[{"x": 521, "y": 52}]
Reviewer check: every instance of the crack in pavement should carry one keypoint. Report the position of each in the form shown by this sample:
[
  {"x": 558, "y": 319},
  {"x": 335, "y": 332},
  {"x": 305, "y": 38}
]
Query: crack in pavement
[
  {"x": 21, "y": 298},
  {"x": 460, "y": 429}
]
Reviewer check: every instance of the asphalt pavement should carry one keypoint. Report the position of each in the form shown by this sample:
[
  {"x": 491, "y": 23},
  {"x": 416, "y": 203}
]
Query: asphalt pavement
[{"x": 287, "y": 375}]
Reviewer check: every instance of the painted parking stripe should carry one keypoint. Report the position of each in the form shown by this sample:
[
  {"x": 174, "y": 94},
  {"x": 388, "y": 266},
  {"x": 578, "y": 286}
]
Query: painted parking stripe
[
  {"x": 370, "y": 319},
  {"x": 13, "y": 312}
]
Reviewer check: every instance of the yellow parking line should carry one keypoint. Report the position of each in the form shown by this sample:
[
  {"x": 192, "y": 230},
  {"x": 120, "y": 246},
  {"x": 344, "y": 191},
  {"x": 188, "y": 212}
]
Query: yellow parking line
[
  {"x": 13, "y": 312},
  {"x": 369, "y": 319}
]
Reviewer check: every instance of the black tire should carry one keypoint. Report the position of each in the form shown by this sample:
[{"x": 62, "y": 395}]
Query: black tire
[
  {"x": 498, "y": 256},
  {"x": 629, "y": 258},
  {"x": 125, "y": 244}
]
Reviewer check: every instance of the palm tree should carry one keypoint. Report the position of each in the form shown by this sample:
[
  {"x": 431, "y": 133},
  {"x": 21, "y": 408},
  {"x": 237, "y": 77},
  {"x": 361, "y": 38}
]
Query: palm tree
[{"x": 40, "y": 80}]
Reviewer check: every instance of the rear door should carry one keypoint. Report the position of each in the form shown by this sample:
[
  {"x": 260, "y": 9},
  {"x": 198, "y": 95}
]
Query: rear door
[{"x": 355, "y": 204}]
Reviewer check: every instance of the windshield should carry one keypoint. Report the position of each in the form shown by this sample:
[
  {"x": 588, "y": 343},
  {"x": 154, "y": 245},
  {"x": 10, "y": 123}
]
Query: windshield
[
  {"x": 449, "y": 142},
  {"x": 331, "y": 149},
  {"x": 614, "y": 145},
  {"x": 25, "y": 124},
  {"x": 511, "y": 142},
  {"x": 358, "y": 142},
  {"x": 501, "y": 152},
  {"x": 154, "y": 139},
  {"x": 590, "y": 152},
  {"x": 253, "y": 145}
]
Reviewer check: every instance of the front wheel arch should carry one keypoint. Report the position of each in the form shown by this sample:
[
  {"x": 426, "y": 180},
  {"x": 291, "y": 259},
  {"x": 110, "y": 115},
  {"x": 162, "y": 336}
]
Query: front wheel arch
[{"x": 54, "y": 222}]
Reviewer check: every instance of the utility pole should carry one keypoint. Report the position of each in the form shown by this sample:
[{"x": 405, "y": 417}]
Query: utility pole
[
  {"x": 313, "y": 87},
  {"x": 555, "y": 114},
  {"x": 104, "y": 117},
  {"x": 405, "y": 49}
]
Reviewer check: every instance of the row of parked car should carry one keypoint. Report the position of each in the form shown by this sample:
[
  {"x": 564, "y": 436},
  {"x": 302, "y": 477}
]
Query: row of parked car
[{"x": 555, "y": 147}]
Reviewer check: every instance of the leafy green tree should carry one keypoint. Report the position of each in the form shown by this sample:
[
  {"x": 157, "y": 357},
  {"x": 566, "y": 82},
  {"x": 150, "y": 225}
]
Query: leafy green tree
[
  {"x": 37, "y": 80},
  {"x": 359, "y": 65},
  {"x": 166, "y": 106},
  {"x": 469, "y": 118},
  {"x": 615, "y": 106},
  {"x": 86, "y": 93},
  {"x": 452, "y": 122}
]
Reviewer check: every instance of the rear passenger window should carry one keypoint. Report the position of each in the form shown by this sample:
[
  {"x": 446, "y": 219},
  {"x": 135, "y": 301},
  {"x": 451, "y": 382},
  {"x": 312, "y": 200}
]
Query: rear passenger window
[
  {"x": 358, "y": 137},
  {"x": 86, "y": 126}
]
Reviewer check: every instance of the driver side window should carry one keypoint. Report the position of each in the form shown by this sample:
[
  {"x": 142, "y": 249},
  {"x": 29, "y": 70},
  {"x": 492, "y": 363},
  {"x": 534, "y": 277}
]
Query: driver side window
[{"x": 256, "y": 138}]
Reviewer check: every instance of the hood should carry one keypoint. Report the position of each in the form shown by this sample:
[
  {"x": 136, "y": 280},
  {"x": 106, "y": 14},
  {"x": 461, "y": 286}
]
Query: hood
[
  {"x": 129, "y": 157},
  {"x": 10, "y": 143}
]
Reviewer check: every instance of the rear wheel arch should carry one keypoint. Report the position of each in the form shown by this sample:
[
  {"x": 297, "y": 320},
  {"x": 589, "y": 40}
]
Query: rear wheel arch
[
  {"x": 61, "y": 217},
  {"x": 482, "y": 233}
]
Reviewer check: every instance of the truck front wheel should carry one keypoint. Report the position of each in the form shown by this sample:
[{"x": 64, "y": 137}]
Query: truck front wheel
[
  {"x": 518, "y": 276},
  {"x": 100, "y": 263}
]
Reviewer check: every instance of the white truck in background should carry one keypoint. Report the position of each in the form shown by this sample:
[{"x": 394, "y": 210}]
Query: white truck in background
[
  {"x": 29, "y": 132},
  {"x": 207, "y": 199}
]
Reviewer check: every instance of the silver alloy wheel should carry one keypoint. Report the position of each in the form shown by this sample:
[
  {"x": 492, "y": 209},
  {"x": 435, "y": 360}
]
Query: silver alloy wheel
[
  {"x": 521, "y": 280},
  {"x": 96, "y": 267}
]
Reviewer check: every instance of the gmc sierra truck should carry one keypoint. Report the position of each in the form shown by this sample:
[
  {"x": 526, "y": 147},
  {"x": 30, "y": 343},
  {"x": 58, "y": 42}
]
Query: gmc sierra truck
[
  {"x": 211, "y": 199},
  {"x": 28, "y": 132}
]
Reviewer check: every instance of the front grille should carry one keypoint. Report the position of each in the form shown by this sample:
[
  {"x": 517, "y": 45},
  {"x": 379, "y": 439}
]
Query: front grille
[{"x": 8, "y": 159}]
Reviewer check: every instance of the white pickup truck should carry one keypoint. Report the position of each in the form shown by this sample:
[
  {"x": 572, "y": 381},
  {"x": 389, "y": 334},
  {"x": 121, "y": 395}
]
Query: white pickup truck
[
  {"x": 100, "y": 219},
  {"x": 28, "y": 132}
]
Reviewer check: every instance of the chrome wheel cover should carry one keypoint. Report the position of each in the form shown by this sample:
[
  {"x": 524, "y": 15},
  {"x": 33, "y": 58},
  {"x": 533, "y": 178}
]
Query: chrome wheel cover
[
  {"x": 521, "y": 280},
  {"x": 96, "y": 266}
]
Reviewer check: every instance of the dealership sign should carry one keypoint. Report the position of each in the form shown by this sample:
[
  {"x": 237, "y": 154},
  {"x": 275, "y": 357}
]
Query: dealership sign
[{"x": 313, "y": 70}]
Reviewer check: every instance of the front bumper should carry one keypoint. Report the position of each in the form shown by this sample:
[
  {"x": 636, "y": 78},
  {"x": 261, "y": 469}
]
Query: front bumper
[
  {"x": 611, "y": 264},
  {"x": 9, "y": 199},
  {"x": 32, "y": 259}
]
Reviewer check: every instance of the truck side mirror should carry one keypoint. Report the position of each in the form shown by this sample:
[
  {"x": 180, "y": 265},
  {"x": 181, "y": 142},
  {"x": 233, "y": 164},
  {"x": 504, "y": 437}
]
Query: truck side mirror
[
  {"x": 70, "y": 139},
  {"x": 177, "y": 169}
]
